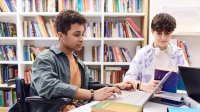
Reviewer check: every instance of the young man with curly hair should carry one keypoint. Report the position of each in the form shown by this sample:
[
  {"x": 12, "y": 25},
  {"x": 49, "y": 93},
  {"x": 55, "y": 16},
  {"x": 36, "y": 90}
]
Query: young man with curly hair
[
  {"x": 159, "y": 54},
  {"x": 57, "y": 72}
]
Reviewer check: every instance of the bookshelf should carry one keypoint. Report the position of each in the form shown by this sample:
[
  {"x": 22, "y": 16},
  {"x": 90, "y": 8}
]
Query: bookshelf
[
  {"x": 97, "y": 15},
  {"x": 188, "y": 25}
]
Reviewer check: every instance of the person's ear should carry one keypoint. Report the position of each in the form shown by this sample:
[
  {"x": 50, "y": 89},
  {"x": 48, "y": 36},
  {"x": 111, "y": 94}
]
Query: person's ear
[{"x": 60, "y": 35}]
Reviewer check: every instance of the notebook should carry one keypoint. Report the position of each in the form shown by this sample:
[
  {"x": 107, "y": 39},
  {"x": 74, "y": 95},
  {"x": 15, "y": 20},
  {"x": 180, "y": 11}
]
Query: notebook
[
  {"x": 110, "y": 106},
  {"x": 138, "y": 98},
  {"x": 171, "y": 83},
  {"x": 178, "y": 109}
]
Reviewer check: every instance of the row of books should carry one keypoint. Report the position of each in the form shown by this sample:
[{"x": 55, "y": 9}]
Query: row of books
[
  {"x": 123, "y": 29},
  {"x": 184, "y": 46},
  {"x": 45, "y": 28},
  {"x": 31, "y": 52},
  {"x": 8, "y": 53},
  {"x": 123, "y": 6},
  {"x": 58, "y": 5},
  {"x": 8, "y": 29},
  {"x": 7, "y": 98},
  {"x": 116, "y": 54},
  {"x": 93, "y": 30},
  {"x": 96, "y": 53},
  {"x": 8, "y": 73},
  {"x": 114, "y": 75},
  {"x": 185, "y": 49},
  {"x": 8, "y": 6},
  {"x": 40, "y": 29},
  {"x": 95, "y": 73}
]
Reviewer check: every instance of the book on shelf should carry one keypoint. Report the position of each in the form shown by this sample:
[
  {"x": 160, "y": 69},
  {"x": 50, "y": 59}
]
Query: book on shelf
[
  {"x": 8, "y": 53},
  {"x": 113, "y": 75},
  {"x": 58, "y": 5},
  {"x": 121, "y": 29},
  {"x": 31, "y": 52},
  {"x": 8, "y": 29},
  {"x": 116, "y": 54},
  {"x": 8, "y": 5},
  {"x": 95, "y": 73},
  {"x": 96, "y": 53},
  {"x": 183, "y": 45},
  {"x": 121, "y": 6},
  {"x": 111, "y": 106},
  {"x": 7, "y": 97},
  {"x": 8, "y": 74}
]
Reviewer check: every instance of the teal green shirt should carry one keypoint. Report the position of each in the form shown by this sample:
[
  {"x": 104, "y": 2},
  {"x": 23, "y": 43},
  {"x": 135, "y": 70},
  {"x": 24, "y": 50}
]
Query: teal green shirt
[{"x": 51, "y": 78}]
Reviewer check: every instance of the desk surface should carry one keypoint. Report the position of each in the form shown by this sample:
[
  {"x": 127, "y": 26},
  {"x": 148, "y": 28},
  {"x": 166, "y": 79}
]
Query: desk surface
[{"x": 148, "y": 107}]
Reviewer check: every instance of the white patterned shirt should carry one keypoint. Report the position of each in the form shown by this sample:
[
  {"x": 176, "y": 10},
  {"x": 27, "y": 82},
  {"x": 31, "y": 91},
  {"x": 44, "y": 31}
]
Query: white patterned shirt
[{"x": 148, "y": 58}]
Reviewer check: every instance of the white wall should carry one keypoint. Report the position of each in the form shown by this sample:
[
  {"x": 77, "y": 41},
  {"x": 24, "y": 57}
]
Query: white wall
[{"x": 187, "y": 15}]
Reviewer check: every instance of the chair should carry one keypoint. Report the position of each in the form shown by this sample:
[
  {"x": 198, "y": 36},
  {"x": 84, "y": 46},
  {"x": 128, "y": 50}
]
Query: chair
[{"x": 23, "y": 99}]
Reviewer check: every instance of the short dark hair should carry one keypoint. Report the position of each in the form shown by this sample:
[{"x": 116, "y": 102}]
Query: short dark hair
[
  {"x": 163, "y": 22},
  {"x": 66, "y": 18}
]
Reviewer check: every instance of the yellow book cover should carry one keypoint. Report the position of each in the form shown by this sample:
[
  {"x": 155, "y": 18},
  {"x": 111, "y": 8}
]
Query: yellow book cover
[{"x": 110, "y": 106}]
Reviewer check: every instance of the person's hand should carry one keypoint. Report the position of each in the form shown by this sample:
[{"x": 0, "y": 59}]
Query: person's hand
[
  {"x": 133, "y": 83},
  {"x": 149, "y": 87},
  {"x": 124, "y": 85},
  {"x": 105, "y": 93}
]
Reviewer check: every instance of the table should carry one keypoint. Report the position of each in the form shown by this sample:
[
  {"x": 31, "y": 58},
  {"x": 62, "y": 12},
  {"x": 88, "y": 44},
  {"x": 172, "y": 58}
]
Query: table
[{"x": 148, "y": 107}]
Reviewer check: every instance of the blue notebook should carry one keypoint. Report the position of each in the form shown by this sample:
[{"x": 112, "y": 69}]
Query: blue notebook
[
  {"x": 178, "y": 109},
  {"x": 171, "y": 83}
]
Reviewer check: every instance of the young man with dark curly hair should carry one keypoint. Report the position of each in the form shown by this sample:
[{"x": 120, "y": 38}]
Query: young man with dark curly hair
[
  {"x": 159, "y": 54},
  {"x": 57, "y": 72}
]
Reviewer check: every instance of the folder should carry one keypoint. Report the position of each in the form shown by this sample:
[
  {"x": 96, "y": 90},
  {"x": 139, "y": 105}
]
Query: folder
[
  {"x": 178, "y": 109},
  {"x": 171, "y": 83}
]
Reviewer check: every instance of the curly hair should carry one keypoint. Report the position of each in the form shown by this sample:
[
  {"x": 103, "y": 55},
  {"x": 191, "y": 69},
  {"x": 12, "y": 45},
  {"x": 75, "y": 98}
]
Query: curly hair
[
  {"x": 66, "y": 18},
  {"x": 163, "y": 22}
]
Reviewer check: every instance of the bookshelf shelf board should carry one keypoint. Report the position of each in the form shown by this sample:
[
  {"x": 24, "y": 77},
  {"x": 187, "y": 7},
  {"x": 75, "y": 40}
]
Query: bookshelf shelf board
[
  {"x": 8, "y": 62},
  {"x": 8, "y": 14},
  {"x": 92, "y": 39},
  {"x": 117, "y": 63},
  {"x": 108, "y": 14},
  {"x": 92, "y": 63},
  {"x": 27, "y": 62},
  {"x": 6, "y": 86},
  {"x": 56, "y": 13},
  {"x": 92, "y": 14},
  {"x": 123, "y": 39},
  {"x": 38, "y": 14},
  {"x": 39, "y": 38},
  {"x": 8, "y": 38},
  {"x": 86, "y": 63}
]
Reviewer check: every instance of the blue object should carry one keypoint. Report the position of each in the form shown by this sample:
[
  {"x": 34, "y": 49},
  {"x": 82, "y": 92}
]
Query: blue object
[
  {"x": 180, "y": 85},
  {"x": 178, "y": 109},
  {"x": 170, "y": 84}
]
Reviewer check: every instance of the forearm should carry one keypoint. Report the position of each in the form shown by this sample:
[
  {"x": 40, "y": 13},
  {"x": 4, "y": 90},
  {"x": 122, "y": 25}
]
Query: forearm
[{"x": 82, "y": 94}]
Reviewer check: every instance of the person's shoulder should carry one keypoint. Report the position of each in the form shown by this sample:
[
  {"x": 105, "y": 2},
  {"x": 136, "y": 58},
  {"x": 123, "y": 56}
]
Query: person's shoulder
[
  {"x": 44, "y": 53},
  {"x": 146, "y": 49},
  {"x": 175, "y": 49}
]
